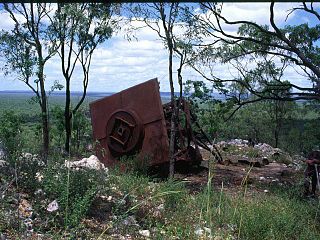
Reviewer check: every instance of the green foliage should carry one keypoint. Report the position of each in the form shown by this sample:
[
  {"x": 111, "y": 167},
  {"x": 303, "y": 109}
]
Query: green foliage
[
  {"x": 134, "y": 164},
  {"x": 10, "y": 133},
  {"x": 73, "y": 189},
  {"x": 210, "y": 111},
  {"x": 57, "y": 126},
  {"x": 276, "y": 217},
  {"x": 19, "y": 55},
  {"x": 29, "y": 168},
  {"x": 81, "y": 130}
]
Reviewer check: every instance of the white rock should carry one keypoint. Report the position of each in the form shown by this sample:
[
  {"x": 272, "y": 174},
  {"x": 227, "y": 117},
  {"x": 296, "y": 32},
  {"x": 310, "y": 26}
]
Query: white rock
[
  {"x": 92, "y": 163},
  {"x": 207, "y": 230},
  {"x": 39, "y": 176},
  {"x": 2, "y": 153},
  {"x": 199, "y": 231},
  {"x": 53, "y": 206},
  {"x": 160, "y": 207},
  {"x": 38, "y": 192},
  {"x": 145, "y": 233},
  {"x": 262, "y": 178},
  {"x": 3, "y": 163},
  {"x": 129, "y": 221},
  {"x": 266, "y": 191},
  {"x": 28, "y": 156}
]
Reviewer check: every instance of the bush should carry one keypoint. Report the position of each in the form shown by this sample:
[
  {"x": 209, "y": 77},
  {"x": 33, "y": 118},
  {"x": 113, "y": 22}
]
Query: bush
[
  {"x": 73, "y": 189},
  {"x": 10, "y": 133},
  {"x": 29, "y": 169}
]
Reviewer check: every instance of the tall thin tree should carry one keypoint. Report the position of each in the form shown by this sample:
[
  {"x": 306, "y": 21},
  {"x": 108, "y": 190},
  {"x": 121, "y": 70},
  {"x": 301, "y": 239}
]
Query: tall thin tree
[
  {"x": 80, "y": 28},
  {"x": 27, "y": 48}
]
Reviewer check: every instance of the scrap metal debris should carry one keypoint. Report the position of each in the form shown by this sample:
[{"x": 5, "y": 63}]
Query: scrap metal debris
[{"x": 134, "y": 122}]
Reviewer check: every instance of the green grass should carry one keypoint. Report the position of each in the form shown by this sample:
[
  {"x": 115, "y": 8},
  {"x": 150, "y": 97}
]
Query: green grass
[{"x": 280, "y": 214}]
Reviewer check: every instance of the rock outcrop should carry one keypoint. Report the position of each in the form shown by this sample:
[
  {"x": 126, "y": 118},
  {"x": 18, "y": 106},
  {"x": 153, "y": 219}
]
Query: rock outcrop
[
  {"x": 90, "y": 163},
  {"x": 240, "y": 151}
]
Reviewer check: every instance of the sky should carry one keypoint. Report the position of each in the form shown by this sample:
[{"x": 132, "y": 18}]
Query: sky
[{"x": 118, "y": 63}]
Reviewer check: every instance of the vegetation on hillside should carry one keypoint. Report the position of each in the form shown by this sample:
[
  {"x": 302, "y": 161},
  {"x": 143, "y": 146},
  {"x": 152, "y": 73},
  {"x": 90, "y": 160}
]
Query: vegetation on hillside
[{"x": 43, "y": 196}]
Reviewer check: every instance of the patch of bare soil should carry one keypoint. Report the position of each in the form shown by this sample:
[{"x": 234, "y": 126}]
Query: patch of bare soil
[{"x": 234, "y": 177}]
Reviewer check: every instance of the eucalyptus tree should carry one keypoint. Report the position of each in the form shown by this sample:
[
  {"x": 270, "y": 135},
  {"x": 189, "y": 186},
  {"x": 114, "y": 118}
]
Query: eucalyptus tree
[
  {"x": 80, "y": 28},
  {"x": 167, "y": 20},
  {"x": 26, "y": 48},
  {"x": 298, "y": 45}
]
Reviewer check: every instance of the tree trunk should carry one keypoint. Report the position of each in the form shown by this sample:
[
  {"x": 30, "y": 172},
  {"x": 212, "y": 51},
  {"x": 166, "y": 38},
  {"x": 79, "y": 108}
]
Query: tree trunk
[
  {"x": 276, "y": 138},
  {"x": 67, "y": 117},
  {"x": 45, "y": 130},
  {"x": 173, "y": 118},
  {"x": 44, "y": 115}
]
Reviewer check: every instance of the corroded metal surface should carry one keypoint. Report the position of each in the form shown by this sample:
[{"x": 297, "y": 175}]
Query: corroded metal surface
[
  {"x": 134, "y": 122},
  {"x": 124, "y": 132},
  {"x": 130, "y": 122}
]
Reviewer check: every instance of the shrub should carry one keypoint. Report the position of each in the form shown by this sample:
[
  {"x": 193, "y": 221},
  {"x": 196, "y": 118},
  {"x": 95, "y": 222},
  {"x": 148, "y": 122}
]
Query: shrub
[
  {"x": 73, "y": 189},
  {"x": 29, "y": 168},
  {"x": 10, "y": 133}
]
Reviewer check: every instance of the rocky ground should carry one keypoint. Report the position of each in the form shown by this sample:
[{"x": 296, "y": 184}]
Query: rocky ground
[{"x": 255, "y": 168}]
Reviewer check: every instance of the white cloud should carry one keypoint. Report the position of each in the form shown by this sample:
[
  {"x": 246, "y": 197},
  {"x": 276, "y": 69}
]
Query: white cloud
[{"x": 119, "y": 64}]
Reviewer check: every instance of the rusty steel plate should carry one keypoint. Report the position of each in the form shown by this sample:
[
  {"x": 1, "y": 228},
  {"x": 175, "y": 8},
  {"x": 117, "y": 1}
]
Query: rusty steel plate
[
  {"x": 124, "y": 132},
  {"x": 130, "y": 122}
]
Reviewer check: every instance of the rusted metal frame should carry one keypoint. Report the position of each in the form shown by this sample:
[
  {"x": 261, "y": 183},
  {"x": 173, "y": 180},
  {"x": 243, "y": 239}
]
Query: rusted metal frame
[
  {"x": 188, "y": 116},
  {"x": 147, "y": 114},
  {"x": 180, "y": 147},
  {"x": 215, "y": 152}
]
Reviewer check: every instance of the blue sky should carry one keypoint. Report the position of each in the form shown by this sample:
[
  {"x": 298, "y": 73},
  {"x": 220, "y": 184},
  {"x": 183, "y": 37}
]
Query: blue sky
[{"x": 118, "y": 63}]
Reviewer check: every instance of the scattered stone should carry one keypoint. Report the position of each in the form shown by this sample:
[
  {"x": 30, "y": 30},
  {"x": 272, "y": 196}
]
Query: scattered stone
[
  {"x": 199, "y": 231},
  {"x": 39, "y": 192},
  {"x": 39, "y": 177},
  {"x": 28, "y": 222},
  {"x": 3, "y": 163},
  {"x": 130, "y": 221},
  {"x": 266, "y": 191},
  {"x": 145, "y": 233},
  {"x": 25, "y": 209},
  {"x": 53, "y": 206},
  {"x": 262, "y": 178},
  {"x": 29, "y": 157},
  {"x": 91, "y": 163},
  {"x": 160, "y": 207},
  {"x": 207, "y": 230},
  {"x": 203, "y": 231},
  {"x": 3, "y": 236},
  {"x": 109, "y": 198},
  {"x": 241, "y": 151}
]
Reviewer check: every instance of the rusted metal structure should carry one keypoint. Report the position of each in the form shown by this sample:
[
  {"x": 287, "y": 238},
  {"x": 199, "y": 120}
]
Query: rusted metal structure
[
  {"x": 134, "y": 121},
  {"x": 130, "y": 122},
  {"x": 189, "y": 135}
]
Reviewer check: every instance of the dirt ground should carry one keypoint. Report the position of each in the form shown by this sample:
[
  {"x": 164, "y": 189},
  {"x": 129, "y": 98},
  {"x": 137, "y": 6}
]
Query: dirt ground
[{"x": 233, "y": 177}]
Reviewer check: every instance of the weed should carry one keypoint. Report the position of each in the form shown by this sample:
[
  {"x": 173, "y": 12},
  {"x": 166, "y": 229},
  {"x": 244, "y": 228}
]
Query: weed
[{"x": 73, "y": 189}]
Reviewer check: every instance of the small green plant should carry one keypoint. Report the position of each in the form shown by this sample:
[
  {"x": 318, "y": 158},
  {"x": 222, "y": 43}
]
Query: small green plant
[
  {"x": 135, "y": 164},
  {"x": 73, "y": 189},
  {"x": 29, "y": 168},
  {"x": 10, "y": 134}
]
